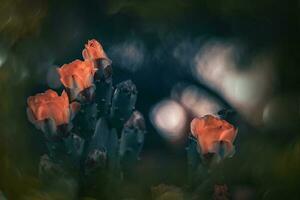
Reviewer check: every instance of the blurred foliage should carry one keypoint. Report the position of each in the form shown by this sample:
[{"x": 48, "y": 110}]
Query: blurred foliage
[{"x": 19, "y": 19}]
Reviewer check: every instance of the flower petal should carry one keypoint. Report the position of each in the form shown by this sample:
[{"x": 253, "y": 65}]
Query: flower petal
[
  {"x": 211, "y": 131},
  {"x": 48, "y": 105}
]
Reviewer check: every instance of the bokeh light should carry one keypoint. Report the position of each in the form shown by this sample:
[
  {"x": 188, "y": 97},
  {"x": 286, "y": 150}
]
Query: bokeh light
[
  {"x": 129, "y": 55},
  {"x": 246, "y": 88},
  {"x": 196, "y": 101},
  {"x": 169, "y": 117}
]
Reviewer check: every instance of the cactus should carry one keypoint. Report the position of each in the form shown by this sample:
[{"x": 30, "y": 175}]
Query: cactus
[
  {"x": 83, "y": 126},
  {"x": 85, "y": 120},
  {"x": 193, "y": 159},
  {"x": 123, "y": 103},
  {"x": 103, "y": 143},
  {"x": 103, "y": 82},
  {"x": 74, "y": 147},
  {"x": 132, "y": 140}
]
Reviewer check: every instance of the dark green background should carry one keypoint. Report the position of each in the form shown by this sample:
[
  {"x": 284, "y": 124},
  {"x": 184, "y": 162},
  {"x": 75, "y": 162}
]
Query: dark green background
[{"x": 35, "y": 34}]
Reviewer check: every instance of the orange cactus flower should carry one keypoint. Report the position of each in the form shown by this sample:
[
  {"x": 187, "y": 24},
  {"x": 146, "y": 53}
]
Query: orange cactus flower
[
  {"x": 49, "y": 105},
  {"x": 211, "y": 132},
  {"x": 77, "y": 76},
  {"x": 93, "y": 51}
]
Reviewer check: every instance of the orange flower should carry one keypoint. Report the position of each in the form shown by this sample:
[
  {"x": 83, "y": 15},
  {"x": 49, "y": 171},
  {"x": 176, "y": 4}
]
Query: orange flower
[
  {"x": 93, "y": 51},
  {"x": 212, "y": 132},
  {"x": 49, "y": 105},
  {"x": 77, "y": 76}
]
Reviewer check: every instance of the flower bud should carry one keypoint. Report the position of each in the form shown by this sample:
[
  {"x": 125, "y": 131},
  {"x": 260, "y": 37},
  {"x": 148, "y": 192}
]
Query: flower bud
[
  {"x": 214, "y": 135},
  {"x": 123, "y": 102}
]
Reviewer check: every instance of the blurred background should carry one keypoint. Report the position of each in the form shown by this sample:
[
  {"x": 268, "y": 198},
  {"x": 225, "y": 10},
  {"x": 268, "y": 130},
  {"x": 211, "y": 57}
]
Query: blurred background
[{"x": 187, "y": 59}]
